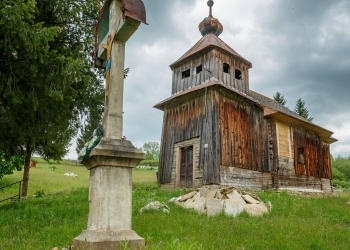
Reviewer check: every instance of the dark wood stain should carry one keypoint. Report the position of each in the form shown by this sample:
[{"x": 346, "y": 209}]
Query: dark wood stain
[{"x": 317, "y": 155}]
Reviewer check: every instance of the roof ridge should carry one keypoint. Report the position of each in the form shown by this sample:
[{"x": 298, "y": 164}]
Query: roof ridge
[{"x": 205, "y": 42}]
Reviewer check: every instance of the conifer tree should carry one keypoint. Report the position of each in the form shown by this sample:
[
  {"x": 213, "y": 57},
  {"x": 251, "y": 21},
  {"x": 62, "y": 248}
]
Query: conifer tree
[
  {"x": 301, "y": 110},
  {"x": 47, "y": 83},
  {"x": 280, "y": 99}
]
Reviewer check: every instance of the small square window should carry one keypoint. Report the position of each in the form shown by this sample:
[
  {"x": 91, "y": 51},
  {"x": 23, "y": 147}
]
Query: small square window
[
  {"x": 226, "y": 68},
  {"x": 199, "y": 69},
  {"x": 301, "y": 155},
  {"x": 238, "y": 74},
  {"x": 186, "y": 73}
]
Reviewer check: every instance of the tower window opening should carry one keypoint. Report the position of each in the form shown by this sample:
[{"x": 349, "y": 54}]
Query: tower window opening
[
  {"x": 226, "y": 68},
  {"x": 238, "y": 74},
  {"x": 199, "y": 69},
  {"x": 186, "y": 73}
]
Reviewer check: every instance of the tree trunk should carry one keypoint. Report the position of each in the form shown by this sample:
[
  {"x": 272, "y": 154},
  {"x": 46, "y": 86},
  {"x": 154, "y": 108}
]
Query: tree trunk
[{"x": 28, "y": 157}]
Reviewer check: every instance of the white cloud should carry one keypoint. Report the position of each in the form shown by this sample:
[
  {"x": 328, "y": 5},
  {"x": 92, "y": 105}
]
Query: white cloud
[{"x": 299, "y": 48}]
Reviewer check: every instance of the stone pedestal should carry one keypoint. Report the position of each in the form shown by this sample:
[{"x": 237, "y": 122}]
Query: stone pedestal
[{"x": 110, "y": 197}]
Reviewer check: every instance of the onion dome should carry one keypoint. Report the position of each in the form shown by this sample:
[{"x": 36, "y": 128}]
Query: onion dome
[{"x": 210, "y": 25}]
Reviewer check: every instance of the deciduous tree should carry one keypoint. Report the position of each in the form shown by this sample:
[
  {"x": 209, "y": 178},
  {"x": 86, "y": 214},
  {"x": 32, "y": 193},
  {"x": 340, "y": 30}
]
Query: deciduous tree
[{"x": 152, "y": 150}]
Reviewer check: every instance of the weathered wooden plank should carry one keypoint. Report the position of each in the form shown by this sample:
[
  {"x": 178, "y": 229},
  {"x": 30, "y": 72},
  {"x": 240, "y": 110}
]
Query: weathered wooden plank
[{"x": 316, "y": 155}]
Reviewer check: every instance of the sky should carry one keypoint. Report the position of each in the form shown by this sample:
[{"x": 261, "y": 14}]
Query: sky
[{"x": 300, "y": 48}]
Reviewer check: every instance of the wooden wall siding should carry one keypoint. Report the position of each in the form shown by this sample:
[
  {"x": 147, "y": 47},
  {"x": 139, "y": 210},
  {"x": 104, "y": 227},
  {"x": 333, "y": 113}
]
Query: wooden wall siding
[
  {"x": 273, "y": 152},
  {"x": 190, "y": 117},
  {"x": 243, "y": 134},
  {"x": 317, "y": 156},
  {"x": 283, "y": 137},
  {"x": 214, "y": 61},
  {"x": 204, "y": 59},
  {"x": 229, "y": 79}
]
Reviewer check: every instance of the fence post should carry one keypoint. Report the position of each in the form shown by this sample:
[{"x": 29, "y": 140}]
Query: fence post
[{"x": 19, "y": 192}]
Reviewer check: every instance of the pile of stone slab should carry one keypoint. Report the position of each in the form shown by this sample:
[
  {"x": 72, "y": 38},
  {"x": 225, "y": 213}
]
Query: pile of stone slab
[{"x": 212, "y": 200}]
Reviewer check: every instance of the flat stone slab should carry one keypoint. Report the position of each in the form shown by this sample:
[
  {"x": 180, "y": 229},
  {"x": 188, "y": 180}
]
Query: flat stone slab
[
  {"x": 256, "y": 209},
  {"x": 233, "y": 207},
  {"x": 235, "y": 196},
  {"x": 156, "y": 206},
  {"x": 188, "y": 196},
  {"x": 211, "y": 200},
  {"x": 214, "y": 207},
  {"x": 250, "y": 199},
  {"x": 203, "y": 192},
  {"x": 200, "y": 205},
  {"x": 211, "y": 194}
]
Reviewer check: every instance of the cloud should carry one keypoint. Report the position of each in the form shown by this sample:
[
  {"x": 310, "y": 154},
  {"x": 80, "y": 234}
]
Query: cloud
[{"x": 300, "y": 48}]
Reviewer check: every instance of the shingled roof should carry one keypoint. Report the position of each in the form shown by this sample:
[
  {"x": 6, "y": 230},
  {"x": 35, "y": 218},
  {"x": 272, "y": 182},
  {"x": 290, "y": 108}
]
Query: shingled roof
[
  {"x": 275, "y": 106},
  {"x": 207, "y": 41},
  {"x": 270, "y": 107},
  {"x": 274, "y": 109}
]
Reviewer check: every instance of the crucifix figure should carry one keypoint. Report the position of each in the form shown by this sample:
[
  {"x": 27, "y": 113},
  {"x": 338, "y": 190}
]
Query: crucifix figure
[{"x": 110, "y": 163}]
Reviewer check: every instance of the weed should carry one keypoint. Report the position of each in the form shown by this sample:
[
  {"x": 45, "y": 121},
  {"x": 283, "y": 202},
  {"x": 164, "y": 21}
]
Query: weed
[{"x": 39, "y": 193}]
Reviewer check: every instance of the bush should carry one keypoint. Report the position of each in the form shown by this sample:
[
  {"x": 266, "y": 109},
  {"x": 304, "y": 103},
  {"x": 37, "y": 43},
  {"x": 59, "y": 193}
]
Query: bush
[
  {"x": 341, "y": 184},
  {"x": 150, "y": 163},
  {"x": 337, "y": 175},
  {"x": 342, "y": 164}
]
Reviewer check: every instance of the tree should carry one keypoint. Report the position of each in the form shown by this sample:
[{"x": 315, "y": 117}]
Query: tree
[
  {"x": 47, "y": 81},
  {"x": 151, "y": 150},
  {"x": 301, "y": 110},
  {"x": 280, "y": 99}
]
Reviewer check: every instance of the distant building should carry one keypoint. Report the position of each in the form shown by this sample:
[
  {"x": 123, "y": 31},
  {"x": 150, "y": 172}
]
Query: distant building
[{"x": 217, "y": 131}]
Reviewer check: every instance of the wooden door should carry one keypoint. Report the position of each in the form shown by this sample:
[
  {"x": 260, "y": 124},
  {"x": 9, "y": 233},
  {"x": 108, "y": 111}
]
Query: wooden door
[{"x": 186, "y": 168}]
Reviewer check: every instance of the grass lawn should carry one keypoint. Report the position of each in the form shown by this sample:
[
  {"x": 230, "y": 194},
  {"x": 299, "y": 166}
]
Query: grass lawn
[
  {"x": 54, "y": 220},
  {"x": 49, "y": 178}
]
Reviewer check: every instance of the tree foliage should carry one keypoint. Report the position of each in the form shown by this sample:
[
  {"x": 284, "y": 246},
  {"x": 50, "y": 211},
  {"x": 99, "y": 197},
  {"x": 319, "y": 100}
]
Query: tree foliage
[
  {"x": 341, "y": 171},
  {"x": 301, "y": 110},
  {"x": 47, "y": 82},
  {"x": 278, "y": 97},
  {"x": 7, "y": 166},
  {"x": 151, "y": 150}
]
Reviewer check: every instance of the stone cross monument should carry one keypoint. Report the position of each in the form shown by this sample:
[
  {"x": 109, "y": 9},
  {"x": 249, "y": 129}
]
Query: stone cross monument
[{"x": 111, "y": 161}]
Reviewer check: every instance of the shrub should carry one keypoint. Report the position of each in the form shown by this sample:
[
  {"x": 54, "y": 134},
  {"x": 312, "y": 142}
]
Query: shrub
[{"x": 150, "y": 163}]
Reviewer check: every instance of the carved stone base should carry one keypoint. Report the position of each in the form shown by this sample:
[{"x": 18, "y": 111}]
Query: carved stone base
[
  {"x": 113, "y": 152},
  {"x": 94, "y": 240},
  {"x": 110, "y": 197}
]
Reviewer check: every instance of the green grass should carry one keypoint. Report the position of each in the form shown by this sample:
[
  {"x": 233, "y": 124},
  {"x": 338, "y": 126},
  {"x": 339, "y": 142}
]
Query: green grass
[
  {"x": 294, "y": 223},
  {"x": 49, "y": 178}
]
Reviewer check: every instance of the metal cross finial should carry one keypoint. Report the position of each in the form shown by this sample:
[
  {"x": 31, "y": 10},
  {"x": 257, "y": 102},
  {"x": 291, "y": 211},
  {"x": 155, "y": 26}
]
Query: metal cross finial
[{"x": 210, "y": 4}]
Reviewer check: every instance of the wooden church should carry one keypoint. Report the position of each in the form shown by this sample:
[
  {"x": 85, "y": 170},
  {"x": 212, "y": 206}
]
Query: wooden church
[{"x": 218, "y": 131}]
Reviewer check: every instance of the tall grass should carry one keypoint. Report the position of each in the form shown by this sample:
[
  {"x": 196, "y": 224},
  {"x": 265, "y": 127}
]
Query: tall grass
[{"x": 294, "y": 223}]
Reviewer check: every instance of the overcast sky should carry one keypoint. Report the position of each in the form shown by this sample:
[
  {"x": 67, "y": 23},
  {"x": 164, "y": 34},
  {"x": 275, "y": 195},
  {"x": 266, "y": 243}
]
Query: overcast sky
[{"x": 300, "y": 48}]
